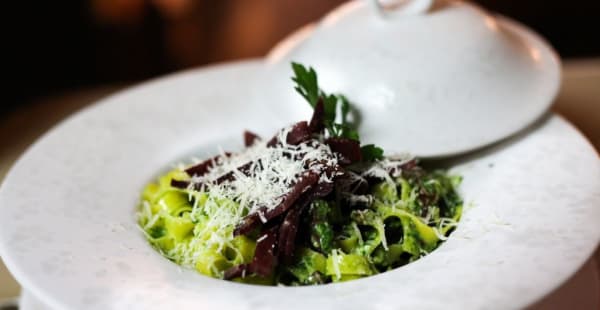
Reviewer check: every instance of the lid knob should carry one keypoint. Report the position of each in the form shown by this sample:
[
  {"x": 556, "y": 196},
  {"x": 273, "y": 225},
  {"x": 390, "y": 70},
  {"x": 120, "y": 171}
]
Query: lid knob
[{"x": 394, "y": 8}]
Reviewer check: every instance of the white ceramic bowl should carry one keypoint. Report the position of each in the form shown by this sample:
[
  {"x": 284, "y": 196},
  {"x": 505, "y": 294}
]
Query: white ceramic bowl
[
  {"x": 581, "y": 291},
  {"x": 68, "y": 230}
]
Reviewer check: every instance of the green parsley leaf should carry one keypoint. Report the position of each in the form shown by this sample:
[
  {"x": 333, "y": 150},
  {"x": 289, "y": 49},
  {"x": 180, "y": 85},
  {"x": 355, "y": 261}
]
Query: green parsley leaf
[
  {"x": 307, "y": 84},
  {"x": 346, "y": 131},
  {"x": 370, "y": 152},
  {"x": 345, "y": 108},
  {"x": 330, "y": 105}
]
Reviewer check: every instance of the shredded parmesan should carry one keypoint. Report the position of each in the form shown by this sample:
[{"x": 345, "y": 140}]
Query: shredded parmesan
[
  {"x": 268, "y": 174},
  {"x": 383, "y": 237},
  {"x": 360, "y": 239},
  {"x": 383, "y": 168},
  {"x": 335, "y": 262}
]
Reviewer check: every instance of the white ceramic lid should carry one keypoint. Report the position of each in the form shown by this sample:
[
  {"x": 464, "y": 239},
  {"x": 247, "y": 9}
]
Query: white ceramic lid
[{"x": 440, "y": 82}]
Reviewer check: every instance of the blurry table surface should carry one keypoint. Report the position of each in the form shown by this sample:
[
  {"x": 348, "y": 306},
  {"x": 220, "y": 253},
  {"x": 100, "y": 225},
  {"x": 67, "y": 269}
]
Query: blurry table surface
[{"x": 578, "y": 101}]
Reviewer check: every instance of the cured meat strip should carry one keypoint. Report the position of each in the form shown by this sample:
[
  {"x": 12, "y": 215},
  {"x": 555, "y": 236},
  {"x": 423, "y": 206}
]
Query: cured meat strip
[
  {"x": 289, "y": 226},
  {"x": 352, "y": 182},
  {"x": 250, "y": 138},
  {"x": 185, "y": 185},
  {"x": 349, "y": 149},
  {"x": 238, "y": 271},
  {"x": 305, "y": 182},
  {"x": 203, "y": 167},
  {"x": 230, "y": 176},
  {"x": 317, "y": 122},
  {"x": 265, "y": 257},
  {"x": 396, "y": 170},
  {"x": 289, "y": 229},
  {"x": 298, "y": 134}
]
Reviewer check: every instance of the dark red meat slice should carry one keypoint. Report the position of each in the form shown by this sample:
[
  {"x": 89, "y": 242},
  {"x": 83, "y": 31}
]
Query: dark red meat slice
[
  {"x": 349, "y": 149},
  {"x": 230, "y": 176},
  {"x": 247, "y": 224},
  {"x": 322, "y": 189},
  {"x": 203, "y": 167},
  {"x": 253, "y": 220},
  {"x": 298, "y": 134},
  {"x": 291, "y": 221},
  {"x": 250, "y": 138},
  {"x": 238, "y": 271},
  {"x": 317, "y": 122},
  {"x": 305, "y": 182},
  {"x": 396, "y": 170},
  {"x": 354, "y": 183},
  {"x": 265, "y": 257},
  {"x": 185, "y": 185},
  {"x": 289, "y": 229}
]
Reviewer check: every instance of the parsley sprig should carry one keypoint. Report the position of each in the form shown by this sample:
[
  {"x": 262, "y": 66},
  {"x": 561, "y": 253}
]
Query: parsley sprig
[{"x": 307, "y": 85}]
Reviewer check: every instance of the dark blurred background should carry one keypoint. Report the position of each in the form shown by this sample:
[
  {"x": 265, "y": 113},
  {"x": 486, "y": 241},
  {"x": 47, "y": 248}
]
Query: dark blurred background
[{"x": 60, "y": 46}]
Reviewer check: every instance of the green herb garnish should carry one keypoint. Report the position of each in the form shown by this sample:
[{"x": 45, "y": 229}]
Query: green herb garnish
[
  {"x": 307, "y": 85},
  {"x": 371, "y": 152}
]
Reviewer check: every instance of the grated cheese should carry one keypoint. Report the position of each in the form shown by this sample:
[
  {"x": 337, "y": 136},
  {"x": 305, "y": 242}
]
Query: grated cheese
[
  {"x": 383, "y": 238},
  {"x": 270, "y": 175},
  {"x": 335, "y": 262},
  {"x": 382, "y": 168}
]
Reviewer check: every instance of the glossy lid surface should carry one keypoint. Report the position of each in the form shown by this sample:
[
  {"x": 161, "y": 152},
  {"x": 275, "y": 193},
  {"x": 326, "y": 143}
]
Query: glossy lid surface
[{"x": 436, "y": 83}]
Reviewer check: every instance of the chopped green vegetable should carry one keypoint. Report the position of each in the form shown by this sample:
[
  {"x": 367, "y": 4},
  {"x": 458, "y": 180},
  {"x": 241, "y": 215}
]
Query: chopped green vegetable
[
  {"x": 340, "y": 265},
  {"x": 310, "y": 267},
  {"x": 385, "y": 191},
  {"x": 306, "y": 83},
  {"x": 321, "y": 230}
]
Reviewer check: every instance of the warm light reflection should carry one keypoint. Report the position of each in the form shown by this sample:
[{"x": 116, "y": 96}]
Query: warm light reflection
[
  {"x": 289, "y": 43},
  {"x": 341, "y": 11},
  {"x": 491, "y": 23},
  {"x": 535, "y": 54}
]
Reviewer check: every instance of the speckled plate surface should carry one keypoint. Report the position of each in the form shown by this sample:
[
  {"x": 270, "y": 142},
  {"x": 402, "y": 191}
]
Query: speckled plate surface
[
  {"x": 68, "y": 231},
  {"x": 581, "y": 291}
]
